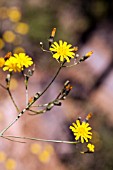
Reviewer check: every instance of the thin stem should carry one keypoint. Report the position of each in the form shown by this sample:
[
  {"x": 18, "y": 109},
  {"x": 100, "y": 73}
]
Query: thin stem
[
  {"x": 45, "y": 50},
  {"x": 12, "y": 140},
  {"x": 26, "y": 91},
  {"x": 52, "y": 79},
  {"x": 42, "y": 140},
  {"x": 41, "y": 105},
  {"x": 3, "y": 86},
  {"x": 72, "y": 64},
  {"x": 13, "y": 100},
  {"x": 5, "y": 129},
  {"x": 26, "y": 78},
  {"x": 26, "y": 95},
  {"x": 8, "y": 81},
  {"x": 37, "y": 112}
]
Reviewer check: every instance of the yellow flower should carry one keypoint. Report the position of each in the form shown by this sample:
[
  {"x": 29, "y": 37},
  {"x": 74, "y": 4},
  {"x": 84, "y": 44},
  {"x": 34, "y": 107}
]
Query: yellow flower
[
  {"x": 62, "y": 51},
  {"x": 18, "y": 62},
  {"x": 11, "y": 65},
  {"x": 14, "y": 14},
  {"x": 23, "y": 60},
  {"x": 22, "y": 28},
  {"x": 81, "y": 130},
  {"x": 2, "y": 44},
  {"x": 44, "y": 156},
  {"x": 9, "y": 36},
  {"x": 10, "y": 164},
  {"x": 91, "y": 147},
  {"x": 35, "y": 148},
  {"x": 2, "y": 61}
]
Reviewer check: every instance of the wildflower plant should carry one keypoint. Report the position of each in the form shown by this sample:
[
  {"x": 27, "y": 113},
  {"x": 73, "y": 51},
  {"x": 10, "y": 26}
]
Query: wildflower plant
[{"x": 63, "y": 53}]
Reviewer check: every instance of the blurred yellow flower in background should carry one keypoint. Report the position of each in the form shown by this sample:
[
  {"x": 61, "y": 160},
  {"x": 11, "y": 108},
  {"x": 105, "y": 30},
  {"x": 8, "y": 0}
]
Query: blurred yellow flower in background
[
  {"x": 44, "y": 156},
  {"x": 9, "y": 36},
  {"x": 35, "y": 148},
  {"x": 14, "y": 14},
  {"x": 22, "y": 28},
  {"x": 10, "y": 164},
  {"x": 2, "y": 44}
]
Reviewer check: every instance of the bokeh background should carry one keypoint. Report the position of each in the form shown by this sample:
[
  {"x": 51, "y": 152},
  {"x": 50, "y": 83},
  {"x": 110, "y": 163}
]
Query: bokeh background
[{"x": 87, "y": 24}]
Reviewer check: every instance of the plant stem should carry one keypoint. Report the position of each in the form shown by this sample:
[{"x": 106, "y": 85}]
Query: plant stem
[
  {"x": 39, "y": 95},
  {"x": 5, "y": 129},
  {"x": 42, "y": 140},
  {"x": 53, "y": 79},
  {"x": 12, "y": 140},
  {"x": 13, "y": 100},
  {"x": 26, "y": 78},
  {"x": 26, "y": 95},
  {"x": 3, "y": 86},
  {"x": 36, "y": 97}
]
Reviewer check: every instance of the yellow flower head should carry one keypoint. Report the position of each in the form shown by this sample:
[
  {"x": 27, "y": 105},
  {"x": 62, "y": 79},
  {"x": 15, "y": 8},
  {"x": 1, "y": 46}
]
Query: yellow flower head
[
  {"x": 18, "y": 62},
  {"x": 22, "y": 28},
  {"x": 14, "y": 14},
  {"x": 9, "y": 36},
  {"x": 35, "y": 148},
  {"x": 11, "y": 65},
  {"x": 23, "y": 60},
  {"x": 62, "y": 51},
  {"x": 81, "y": 131},
  {"x": 91, "y": 147}
]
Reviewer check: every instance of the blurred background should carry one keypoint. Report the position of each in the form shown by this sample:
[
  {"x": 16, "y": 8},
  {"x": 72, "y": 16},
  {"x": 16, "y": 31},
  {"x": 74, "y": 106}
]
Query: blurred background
[{"x": 88, "y": 25}]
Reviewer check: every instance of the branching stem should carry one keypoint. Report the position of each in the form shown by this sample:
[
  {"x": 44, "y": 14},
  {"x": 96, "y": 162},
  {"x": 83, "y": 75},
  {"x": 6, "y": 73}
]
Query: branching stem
[{"x": 31, "y": 103}]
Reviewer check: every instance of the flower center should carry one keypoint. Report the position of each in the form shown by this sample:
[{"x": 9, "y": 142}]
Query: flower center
[
  {"x": 62, "y": 51},
  {"x": 81, "y": 131}
]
